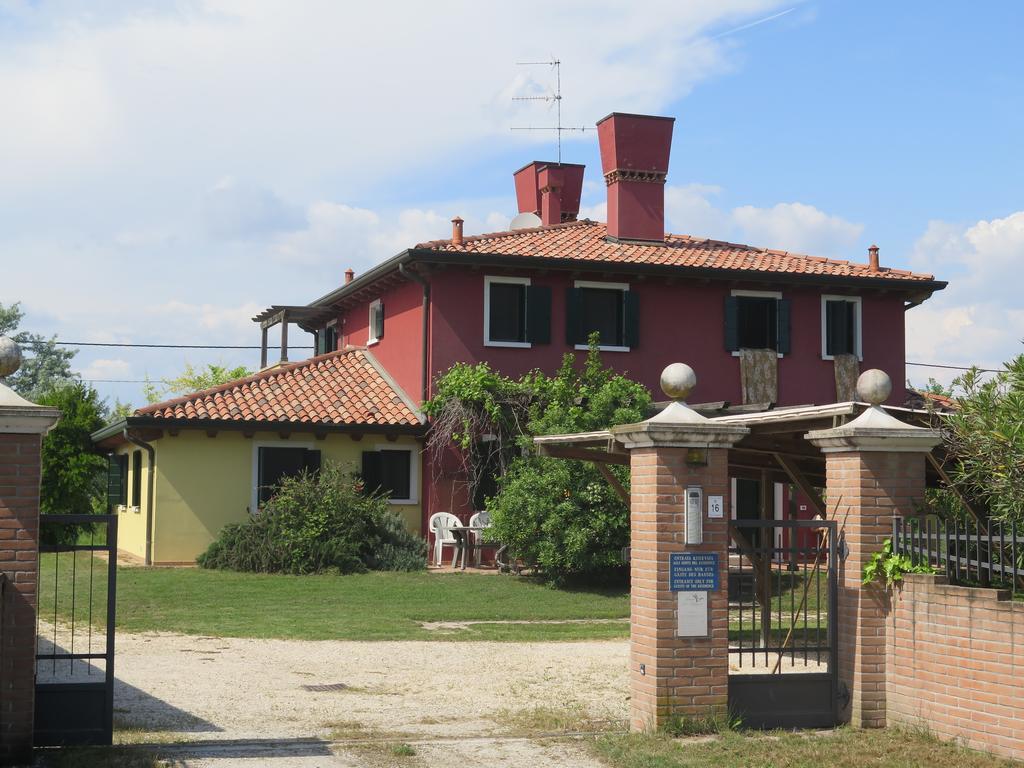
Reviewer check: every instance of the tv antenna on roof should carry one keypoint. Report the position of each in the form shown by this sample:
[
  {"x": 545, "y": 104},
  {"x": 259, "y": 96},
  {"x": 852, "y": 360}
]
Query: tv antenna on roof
[{"x": 555, "y": 97}]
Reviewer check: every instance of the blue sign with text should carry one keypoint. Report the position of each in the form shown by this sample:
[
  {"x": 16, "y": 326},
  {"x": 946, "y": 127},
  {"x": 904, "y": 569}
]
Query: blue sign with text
[{"x": 693, "y": 571}]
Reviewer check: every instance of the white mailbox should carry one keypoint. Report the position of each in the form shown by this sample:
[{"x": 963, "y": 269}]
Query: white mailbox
[{"x": 694, "y": 515}]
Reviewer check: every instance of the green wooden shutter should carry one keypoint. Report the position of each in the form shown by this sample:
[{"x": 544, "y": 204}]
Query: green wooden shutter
[
  {"x": 732, "y": 323},
  {"x": 321, "y": 341},
  {"x": 574, "y": 317},
  {"x": 837, "y": 327},
  {"x": 114, "y": 472},
  {"x": 311, "y": 461},
  {"x": 371, "y": 472},
  {"x": 783, "y": 339},
  {"x": 631, "y": 319},
  {"x": 136, "y": 500},
  {"x": 538, "y": 314}
]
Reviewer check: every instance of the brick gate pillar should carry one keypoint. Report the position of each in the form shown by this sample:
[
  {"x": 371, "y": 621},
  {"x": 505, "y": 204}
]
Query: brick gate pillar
[
  {"x": 22, "y": 426},
  {"x": 875, "y": 469},
  {"x": 677, "y": 450}
]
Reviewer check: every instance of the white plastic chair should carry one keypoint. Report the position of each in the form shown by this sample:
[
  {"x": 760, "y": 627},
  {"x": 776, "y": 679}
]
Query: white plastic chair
[
  {"x": 441, "y": 524},
  {"x": 481, "y": 521}
]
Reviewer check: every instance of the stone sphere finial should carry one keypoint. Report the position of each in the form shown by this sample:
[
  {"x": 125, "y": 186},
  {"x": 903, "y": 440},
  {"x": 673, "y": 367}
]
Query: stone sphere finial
[
  {"x": 678, "y": 380},
  {"x": 874, "y": 386},
  {"x": 10, "y": 356}
]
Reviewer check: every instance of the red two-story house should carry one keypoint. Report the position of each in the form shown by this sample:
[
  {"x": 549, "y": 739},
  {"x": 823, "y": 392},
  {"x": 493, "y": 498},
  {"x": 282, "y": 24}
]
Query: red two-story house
[{"x": 757, "y": 325}]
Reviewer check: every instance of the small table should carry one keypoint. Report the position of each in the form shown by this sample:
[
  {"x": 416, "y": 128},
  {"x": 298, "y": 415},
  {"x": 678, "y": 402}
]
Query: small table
[{"x": 463, "y": 541}]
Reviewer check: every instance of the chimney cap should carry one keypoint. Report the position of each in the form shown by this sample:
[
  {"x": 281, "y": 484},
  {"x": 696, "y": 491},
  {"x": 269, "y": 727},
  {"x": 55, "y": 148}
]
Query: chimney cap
[
  {"x": 541, "y": 163},
  {"x": 610, "y": 115}
]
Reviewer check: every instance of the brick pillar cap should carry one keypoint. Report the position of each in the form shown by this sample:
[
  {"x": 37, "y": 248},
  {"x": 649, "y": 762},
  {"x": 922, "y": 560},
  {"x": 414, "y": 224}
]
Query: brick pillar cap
[
  {"x": 876, "y": 430},
  {"x": 20, "y": 417},
  {"x": 651, "y": 433}
]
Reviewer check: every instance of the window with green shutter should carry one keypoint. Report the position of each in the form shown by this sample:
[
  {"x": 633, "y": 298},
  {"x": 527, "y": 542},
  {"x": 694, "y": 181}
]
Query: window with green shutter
[
  {"x": 276, "y": 463},
  {"x": 516, "y": 313},
  {"x": 327, "y": 339},
  {"x": 136, "y": 499},
  {"x": 390, "y": 471},
  {"x": 757, "y": 321},
  {"x": 840, "y": 321},
  {"x": 376, "y": 332},
  {"x": 117, "y": 481},
  {"x": 609, "y": 309}
]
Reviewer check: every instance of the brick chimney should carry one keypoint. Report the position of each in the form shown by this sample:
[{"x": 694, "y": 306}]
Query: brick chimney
[
  {"x": 873, "y": 259},
  {"x": 634, "y": 160},
  {"x": 350, "y": 275},
  {"x": 550, "y": 190},
  {"x": 457, "y": 230}
]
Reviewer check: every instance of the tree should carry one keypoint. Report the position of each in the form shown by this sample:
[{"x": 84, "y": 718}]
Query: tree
[
  {"x": 192, "y": 380},
  {"x": 72, "y": 472},
  {"x": 561, "y": 515},
  {"x": 985, "y": 439},
  {"x": 45, "y": 367}
]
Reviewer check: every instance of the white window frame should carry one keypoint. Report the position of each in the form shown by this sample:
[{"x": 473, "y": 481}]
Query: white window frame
[
  {"x": 414, "y": 475},
  {"x": 488, "y": 281},
  {"x": 607, "y": 286},
  {"x": 758, "y": 294},
  {"x": 370, "y": 339},
  {"x": 858, "y": 336},
  {"x": 254, "y": 497}
]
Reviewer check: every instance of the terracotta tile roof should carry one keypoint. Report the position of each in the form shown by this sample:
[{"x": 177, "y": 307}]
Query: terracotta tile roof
[
  {"x": 585, "y": 240},
  {"x": 340, "y": 388}
]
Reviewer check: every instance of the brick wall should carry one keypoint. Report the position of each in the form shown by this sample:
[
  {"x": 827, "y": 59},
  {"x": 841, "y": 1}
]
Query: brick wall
[
  {"x": 19, "y": 553},
  {"x": 682, "y": 676},
  {"x": 865, "y": 490},
  {"x": 956, "y": 663}
]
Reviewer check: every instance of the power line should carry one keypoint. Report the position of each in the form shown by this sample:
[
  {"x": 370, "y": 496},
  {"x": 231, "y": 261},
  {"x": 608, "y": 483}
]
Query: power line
[
  {"x": 159, "y": 346},
  {"x": 955, "y": 367}
]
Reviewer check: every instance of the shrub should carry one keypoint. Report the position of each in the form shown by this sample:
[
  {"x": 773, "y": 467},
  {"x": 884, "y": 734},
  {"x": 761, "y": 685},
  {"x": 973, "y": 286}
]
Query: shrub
[
  {"x": 563, "y": 515},
  {"x": 316, "y": 523}
]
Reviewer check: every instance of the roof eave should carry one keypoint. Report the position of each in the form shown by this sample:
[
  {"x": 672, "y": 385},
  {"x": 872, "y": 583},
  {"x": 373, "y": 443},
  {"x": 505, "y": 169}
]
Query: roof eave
[
  {"x": 501, "y": 259},
  {"x": 255, "y": 425},
  {"x": 363, "y": 280}
]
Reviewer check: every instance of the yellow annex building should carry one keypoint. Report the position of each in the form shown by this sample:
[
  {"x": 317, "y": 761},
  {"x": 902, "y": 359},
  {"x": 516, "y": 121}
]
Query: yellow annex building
[{"x": 179, "y": 471}]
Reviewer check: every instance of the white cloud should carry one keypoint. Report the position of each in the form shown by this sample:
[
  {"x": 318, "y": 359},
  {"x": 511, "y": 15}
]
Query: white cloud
[
  {"x": 105, "y": 368},
  {"x": 689, "y": 211},
  {"x": 796, "y": 227},
  {"x": 209, "y": 317},
  {"x": 979, "y": 318},
  {"x": 238, "y": 211}
]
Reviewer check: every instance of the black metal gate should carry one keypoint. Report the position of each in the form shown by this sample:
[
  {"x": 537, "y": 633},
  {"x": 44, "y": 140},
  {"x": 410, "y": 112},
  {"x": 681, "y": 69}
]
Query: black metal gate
[
  {"x": 782, "y": 623},
  {"x": 75, "y": 630}
]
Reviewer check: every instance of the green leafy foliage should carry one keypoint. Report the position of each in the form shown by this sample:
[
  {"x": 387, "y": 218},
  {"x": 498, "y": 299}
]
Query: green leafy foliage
[
  {"x": 888, "y": 567},
  {"x": 985, "y": 440},
  {"x": 72, "y": 473},
  {"x": 561, "y": 516},
  {"x": 45, "y": 366},
  {"x": 317, "y": 523},
  {"x": 193, "y": 380}
]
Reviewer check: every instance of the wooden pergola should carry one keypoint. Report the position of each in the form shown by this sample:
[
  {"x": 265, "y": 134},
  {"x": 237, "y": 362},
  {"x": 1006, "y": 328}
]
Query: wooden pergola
[{"x": 774, "y": 451}]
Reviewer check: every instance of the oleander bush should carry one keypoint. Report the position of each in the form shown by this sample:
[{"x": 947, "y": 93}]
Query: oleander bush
[{"x": 316, "y": 523}]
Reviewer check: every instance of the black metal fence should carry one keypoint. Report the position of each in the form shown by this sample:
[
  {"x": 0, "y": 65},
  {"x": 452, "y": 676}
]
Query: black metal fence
[
  {"x": 75, "y": 630},
  {"x": 968, "y": 552}
]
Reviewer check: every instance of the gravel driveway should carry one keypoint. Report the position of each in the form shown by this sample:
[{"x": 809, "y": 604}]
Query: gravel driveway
[{"x": 326, "y": 703}]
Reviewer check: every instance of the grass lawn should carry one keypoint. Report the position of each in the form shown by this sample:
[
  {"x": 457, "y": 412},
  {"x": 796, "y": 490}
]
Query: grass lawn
[
  {"x": 844, "y": 748},
  {"x": 373, "y": 606}
]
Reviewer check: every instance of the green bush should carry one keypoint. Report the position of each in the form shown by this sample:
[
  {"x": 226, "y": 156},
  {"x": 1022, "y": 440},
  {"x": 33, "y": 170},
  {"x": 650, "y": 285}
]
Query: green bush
[
  {"x": 317, "y": 523},
  {"x": 563, "y": 516}
]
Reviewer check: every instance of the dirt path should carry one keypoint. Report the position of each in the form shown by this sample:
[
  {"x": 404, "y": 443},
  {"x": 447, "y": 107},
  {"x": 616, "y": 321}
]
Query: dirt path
[{"x": 328, "y": 703}]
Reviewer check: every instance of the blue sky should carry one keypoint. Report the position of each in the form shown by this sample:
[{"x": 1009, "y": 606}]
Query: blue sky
[{"x": 173, "y": 168}]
